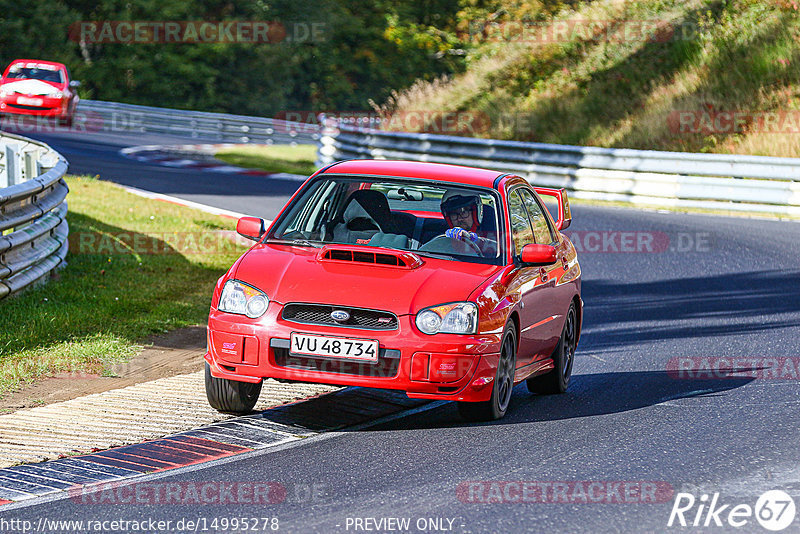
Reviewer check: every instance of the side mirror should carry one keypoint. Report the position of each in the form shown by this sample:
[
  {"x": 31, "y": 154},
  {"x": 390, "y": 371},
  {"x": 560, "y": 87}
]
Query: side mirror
[
  {"x": 538, "y": 254},
  {"x": 74, "y": 84},
  {"x": 250, "y": 227}
]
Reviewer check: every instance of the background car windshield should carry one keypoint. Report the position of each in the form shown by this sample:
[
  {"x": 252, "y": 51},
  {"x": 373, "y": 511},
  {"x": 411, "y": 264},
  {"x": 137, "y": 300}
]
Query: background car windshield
[
  {"x": 47, "y": 75},
  {"x": 395, "y": 214}
]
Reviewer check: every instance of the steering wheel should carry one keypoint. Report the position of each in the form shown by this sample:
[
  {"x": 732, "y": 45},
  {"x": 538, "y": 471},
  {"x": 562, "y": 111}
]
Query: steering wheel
[{"x": 471, "y": 244}]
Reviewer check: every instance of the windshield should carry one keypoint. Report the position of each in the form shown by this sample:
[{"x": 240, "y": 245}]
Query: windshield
[
  {"x": 396, "y": 214},
  {"x": 34, "y": 71}
]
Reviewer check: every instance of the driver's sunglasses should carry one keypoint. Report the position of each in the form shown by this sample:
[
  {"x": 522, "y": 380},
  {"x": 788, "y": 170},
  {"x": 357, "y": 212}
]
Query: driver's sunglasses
[{"x": 461, "y": 213}]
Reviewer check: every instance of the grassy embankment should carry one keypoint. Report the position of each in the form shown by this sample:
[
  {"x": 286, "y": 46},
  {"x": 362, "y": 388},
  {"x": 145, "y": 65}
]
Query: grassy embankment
[
  {"x": 704, "y": 58},
  {"x": 698, "y": 76},
  {"x": 136, "y": 267},
  {"x": 298, "y": 159}
]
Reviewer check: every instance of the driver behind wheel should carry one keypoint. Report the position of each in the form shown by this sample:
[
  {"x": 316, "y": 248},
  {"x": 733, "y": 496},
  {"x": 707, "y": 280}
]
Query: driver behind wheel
[{"x": 464, "y": 214}]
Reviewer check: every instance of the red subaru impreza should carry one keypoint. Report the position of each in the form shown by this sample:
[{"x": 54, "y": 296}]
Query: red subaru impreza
[{"x": 445, "y": 282}]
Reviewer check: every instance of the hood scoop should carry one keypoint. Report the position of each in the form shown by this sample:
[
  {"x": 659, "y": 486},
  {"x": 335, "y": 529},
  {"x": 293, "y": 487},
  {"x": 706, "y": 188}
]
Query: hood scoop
[{"x": 370, "y": 255}]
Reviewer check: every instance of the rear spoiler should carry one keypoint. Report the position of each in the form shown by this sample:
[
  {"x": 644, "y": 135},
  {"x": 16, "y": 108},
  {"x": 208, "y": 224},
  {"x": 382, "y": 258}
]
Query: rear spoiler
[{"x": 564, "y": 213}]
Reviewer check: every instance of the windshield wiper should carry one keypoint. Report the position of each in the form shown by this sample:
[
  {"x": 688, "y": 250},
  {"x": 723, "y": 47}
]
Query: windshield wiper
[
  {"x": 437, "y": 255},
  {"x": 297, "y": 242}
]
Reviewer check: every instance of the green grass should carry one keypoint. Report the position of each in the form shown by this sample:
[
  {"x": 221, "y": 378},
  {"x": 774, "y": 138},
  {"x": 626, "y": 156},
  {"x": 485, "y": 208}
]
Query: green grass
[
  {"x": 110, "y": 298},
  {"x": 298, "y": 159}
]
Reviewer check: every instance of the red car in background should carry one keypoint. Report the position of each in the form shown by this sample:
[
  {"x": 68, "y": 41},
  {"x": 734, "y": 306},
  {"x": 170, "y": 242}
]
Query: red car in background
[
  {"x": 39, "y": 88},
  {"x": 446, "y": 282}
]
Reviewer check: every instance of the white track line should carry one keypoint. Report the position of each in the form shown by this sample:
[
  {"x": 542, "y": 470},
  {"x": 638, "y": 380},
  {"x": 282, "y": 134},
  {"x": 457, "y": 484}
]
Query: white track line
[{"x": 188, "y": 203}]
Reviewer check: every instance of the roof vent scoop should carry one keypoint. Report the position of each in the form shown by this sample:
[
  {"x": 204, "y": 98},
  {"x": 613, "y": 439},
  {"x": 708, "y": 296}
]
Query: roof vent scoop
[{"x": 376, "y": 256}]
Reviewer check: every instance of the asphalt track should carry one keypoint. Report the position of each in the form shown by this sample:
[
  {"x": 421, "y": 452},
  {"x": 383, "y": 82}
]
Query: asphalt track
[
  {"x": 99, "y": 154},
  {"x": 723, "y": 290}
]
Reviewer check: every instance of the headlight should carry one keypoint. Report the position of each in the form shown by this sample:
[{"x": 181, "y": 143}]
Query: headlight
[
  {"x": 4, "y": 92},
  {"x": 57, "y": 94},
  {"x": 243, "y": 299},
  {"x": 455, "y": 318}
]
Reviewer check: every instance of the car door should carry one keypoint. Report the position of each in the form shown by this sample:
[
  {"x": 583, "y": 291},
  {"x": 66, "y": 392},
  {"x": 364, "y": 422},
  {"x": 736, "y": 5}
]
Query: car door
[
  {"x": 538, "y": 306},
  {"x": 553, "y": 296}
]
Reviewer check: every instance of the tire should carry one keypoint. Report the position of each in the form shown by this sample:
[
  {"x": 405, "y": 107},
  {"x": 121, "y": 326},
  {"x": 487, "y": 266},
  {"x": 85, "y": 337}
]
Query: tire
[
  {"x": 557, "y": 380},
  {"x": 230, "y": 396},
  {"x": 495, "y": 408}
]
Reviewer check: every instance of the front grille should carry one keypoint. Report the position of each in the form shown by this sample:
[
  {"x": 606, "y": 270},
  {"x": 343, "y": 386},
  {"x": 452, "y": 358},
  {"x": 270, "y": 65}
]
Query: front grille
[
  {"x": 321, "y": 314},
  {"x": 32, "y": 108},
  {"x": 385, "y": 368}
]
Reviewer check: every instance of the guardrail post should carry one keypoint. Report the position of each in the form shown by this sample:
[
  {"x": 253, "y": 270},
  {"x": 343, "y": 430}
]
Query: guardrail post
[
  {"x": 32, "y": 166},
  {"x": 11, "y": 176},
  {"x": 326, "y": 144}
]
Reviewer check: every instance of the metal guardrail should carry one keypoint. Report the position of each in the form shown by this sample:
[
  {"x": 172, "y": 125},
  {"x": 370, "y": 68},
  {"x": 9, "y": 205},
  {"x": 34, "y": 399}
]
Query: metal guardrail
[
  {"x": 200, "y": 125},
  {"x": 670, "y": 179},
  {"x": 33, "y": 212}
]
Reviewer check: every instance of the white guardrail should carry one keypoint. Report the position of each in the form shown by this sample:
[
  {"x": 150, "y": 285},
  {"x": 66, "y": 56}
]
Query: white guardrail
[
  {"x": 203, "y": 126},
  {"x": 33, "y": 212},
  {"x": 645, "y": 177}
]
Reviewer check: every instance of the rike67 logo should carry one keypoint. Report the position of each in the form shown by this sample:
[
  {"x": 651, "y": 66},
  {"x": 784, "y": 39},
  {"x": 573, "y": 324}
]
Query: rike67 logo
[{"x": 774, "y": 510}]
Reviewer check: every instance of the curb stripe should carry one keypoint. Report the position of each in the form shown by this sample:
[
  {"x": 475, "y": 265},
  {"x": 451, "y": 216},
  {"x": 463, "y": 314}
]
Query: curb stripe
[
  {"x": 117, "y": 463},
  {"x": 164, "y": 454},
  {"x": 222, "y": 437},
  {"x": 207, "y": 443},
  {"x": 201, "y": 452},
  {"x": 94, "y": 467},
  {"x": 8, "y": 488},
  {"x": 31, "y": 478},
  {"x": 9, "y": 495},
  {"x": 151, "y": 464},
  {"x": 197, "y": 157},
  {"x": 50, "y": 474}
]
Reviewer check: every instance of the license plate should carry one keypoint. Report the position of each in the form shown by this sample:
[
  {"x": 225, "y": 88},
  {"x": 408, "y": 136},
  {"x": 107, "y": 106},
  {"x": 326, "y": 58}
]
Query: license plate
[
  {"x": 335, "y": 347},
  {"x": 25, "y": 101}
]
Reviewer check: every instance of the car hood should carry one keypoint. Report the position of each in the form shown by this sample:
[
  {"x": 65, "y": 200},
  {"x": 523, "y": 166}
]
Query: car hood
[
  {"x": 32, "y": 87},
  {"x": 297, "y": 274}
]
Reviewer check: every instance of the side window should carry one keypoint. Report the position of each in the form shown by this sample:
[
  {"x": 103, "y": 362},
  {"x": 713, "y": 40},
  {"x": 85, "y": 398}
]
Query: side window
[
  {"x": 521, "y": 231},
  {"x": 541, "y": 227}
]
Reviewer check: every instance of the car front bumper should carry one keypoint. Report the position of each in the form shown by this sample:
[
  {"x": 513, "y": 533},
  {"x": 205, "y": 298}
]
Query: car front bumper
[
  {"x": 441, "y": 366},
  {"x": 49, "y": 107}
]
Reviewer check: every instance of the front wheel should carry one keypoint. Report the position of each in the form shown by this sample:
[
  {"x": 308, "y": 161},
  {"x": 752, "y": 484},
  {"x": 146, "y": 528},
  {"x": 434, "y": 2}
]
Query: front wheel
[
  {"x": 496, "y": 406},
  {"x": 230, "y": 396},
  {"x": 557, "y": 380}
]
